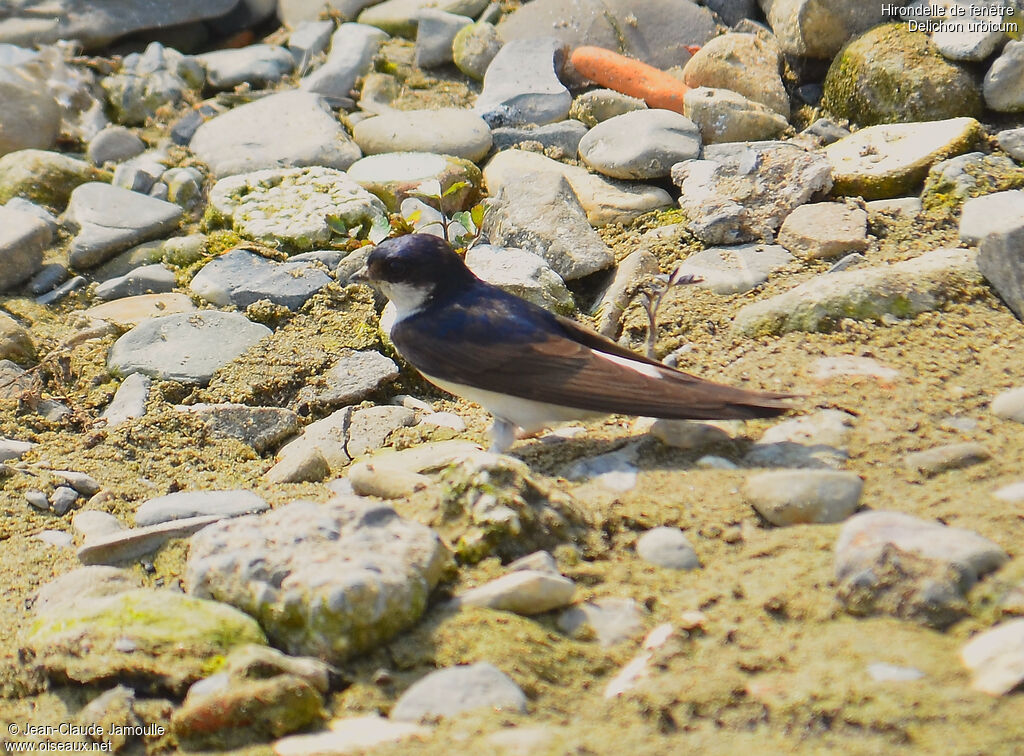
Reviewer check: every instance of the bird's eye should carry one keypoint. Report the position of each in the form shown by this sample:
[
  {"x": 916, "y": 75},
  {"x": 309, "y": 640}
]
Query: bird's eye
[{"x": 397, "y": 268}]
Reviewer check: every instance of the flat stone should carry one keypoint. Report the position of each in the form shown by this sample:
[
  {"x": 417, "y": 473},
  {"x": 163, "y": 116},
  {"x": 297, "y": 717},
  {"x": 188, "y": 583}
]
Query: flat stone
[
  {"x": 521, "y": 84},
  {"x": 1011, "y": 141},
  {"x": 56, "y": 538},
  {"x": 401, "y": 17},
  {"x": 187, "y": 504},
  {"x": 667, "y": 547},
  {"x": 604, "y": 200},
  {"x": 598, "y": 105},
  {"x": 132, "y": 543},
  {"x": 91, "y": 523},
  {"x": 890, "y": 160},
  {"x": 996, "y": 658},
  {"x": 308, "y": 39},
  {"x": 732, "y": 270},
  {"x": 474, "y": 47},
  {"x": 643, "y": 144},
  {"x": 129, "y": 401},
  {"x": 524, "y": 592},
  {"x": 62, "y": 500},
  {"x": 452, "y": 691},
  {"x": 610, "y": 620},
  {"x": 395, "y": 176},
  {"x": 114, "y": 144},
  {"x": 814, "y": 441},
  {"x": 147, "y": 279},
  {"x": 725, "y": 116},
  {"x": 45, "y": 178},
  {"x": 325, "y": 580},
  {"x": 688, "y": 435},
  {"x": 1009, "y": 405},
  {"x": 1001, "y": 262},
  {"x": 947, "y": 457},
  {"x": 257, "y": 65},
  {"x": 449, "y": 131},
  {"x": 997, "y": 213},
  {"x": 187, "y": 347},
  {"x": 825, "y": 229},
  {"x": 305, "y": 466},
  {"x": 86, "y": 485},
  {"x": 109, "y": 219},
  {"x": 241, "y": 277},
  {"x": 350, "y": 734},
  {"x": 13, "y": 449},
  {"x": 792, "y": 497},
  {"x": 903, "y": 289},
  {"x": 541, "y": 214},
  {"x": 93, "y": 640},
  {"x": 346, "y": 433},
  {"x": 391, "y": 475},
  {"x": 32, "y": 118},
  {"x": 614, "y": 471},
  {"x": 435, "y": 33},
  {"x": 355, "y": 376},
  {"x": 294, "y": 208},
  {"x": 1012, "y": 493},
  {"x": 972, "y": 42},
  {"x": 743, "y": 192},
  {"x": 23, "y": 237},
  {"x": 133, "y": 310},
  {"x": 284, "y": 130},
  {"x": 352, "y": 49},
  {"x": 524, "y": 274}
]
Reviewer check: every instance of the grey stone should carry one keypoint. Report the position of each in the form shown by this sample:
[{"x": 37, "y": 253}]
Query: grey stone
[
  {"x": 560, "y": 140},
  {"x": 371, "y": 426},
  {"x": 109, "y": 219},
  {"x": 824, "y": 229},
  {"x": 113, "y": 145},
  {"x": 643, "y": 144},
  {"x": 688, "y": 435},
  {"x": 605, "y": 200},
  {"x": 521, "y": 85},
  {"x": 308, "y": 39},
  {"x": 294, "y": 208},
  {"x": 257, "y": 65},
  {"x": 293, "y": 13},
  {"x": 305, "y": 466},
  {"x": 614, "y": 471},
  {"x": 1004, "y": 83},
  {"x": 45, "y": 178},
  {"x": 57, "y": 538},
  {"x": 1009, "y": 405},
  {"x": 23, "y": 205},
  {"x": 975, "y": 42},
  {"x": 38, "y": 500},
  {"x": 825, "y": 131},
  {"x": 814, "y": 441},
  {"x": 1011, "y": 141},
  {"x": 667, "y": 547},
  {"x": 261, "y": 428},
  {"x": 13, "y": 449},
  {"x": 132, "y": 543},
  {"x": 474, "y": 47},
  {"x": 540, "y": 561},
  {"x": 452, "y": 691},
  {"x": 129, "y": 400},
  {"x": 23, "y": 237},
  {"x": 524, "y": 592},
  {"x": 731, "y": 270},
  {"x": 449, "y": 131},
  {"x": 541, "y": 214},
  {"x": 400, "y": 17},
  {"x": 435, "y": 32},
  {"x": 96, "y": 23},
  {"x": 347, "y": 433},
  {"x": 325, "y": 580},
  {"x": 63, "y": 499},
  {"x": 1001, "y": 262},
  {"x": 996, "y": 658},
  {"x": 148, "y": 279},
  {"x": 149, "y": 81},
  {"x": 598, "y": 105},
  {"x": 947, "y": 457},
  {"x": 610, "y": 620},
  {"x": 899, "y": 206},
  {"x": 241, "y": 277},
  {"x": 31, "y": 118},
  {"x": 15, "y": 342},
  {"x": 725, "y": 116},
  {"x": 999, "y": 213},
  {"x": 186, "y": 347},
  {"x": 352, "y": 378},
  {"x": 396, "y": 176},
  {"x": 522, "y": 273},
  {"x": 746, "y": 64},
  {"x": 84, "y": 484},
  {"x": 788, "y": 497},
  {"x": 744, "y": 192},
  {"x": 288, "y": 129},
  {"x": 185, "y": 504},
  {"x": 636, "y": 267},
  {"x": 807, "y": 29},
  {"x": 352, "y": 49},
  {"x": 962, "y": 177},
  {"x": 903, "y": 289}
]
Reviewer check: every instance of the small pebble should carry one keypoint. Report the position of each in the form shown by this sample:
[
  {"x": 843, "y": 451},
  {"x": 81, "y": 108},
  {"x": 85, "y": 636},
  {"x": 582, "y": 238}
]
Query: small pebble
[
  {"x": 949, "y": 457},
  {"x": 523, "y": 592},
  {"x": 667, "y": 547},
  {"x": 63, "y": 499}
]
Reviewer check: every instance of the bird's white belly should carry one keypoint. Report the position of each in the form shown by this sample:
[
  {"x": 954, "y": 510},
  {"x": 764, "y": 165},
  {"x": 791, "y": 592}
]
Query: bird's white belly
[{"x": 528, "y": 414}]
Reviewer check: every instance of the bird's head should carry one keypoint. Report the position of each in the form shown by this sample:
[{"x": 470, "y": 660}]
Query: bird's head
[{"x": 411, "y": 269}]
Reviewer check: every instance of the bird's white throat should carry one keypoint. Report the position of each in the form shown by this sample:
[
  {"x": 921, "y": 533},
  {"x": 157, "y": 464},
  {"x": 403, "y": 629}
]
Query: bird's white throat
[{"x": 406, "y": 298}]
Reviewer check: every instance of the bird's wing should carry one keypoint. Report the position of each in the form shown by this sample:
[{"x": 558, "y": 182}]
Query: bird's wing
[{"x": 554, "y": 360}]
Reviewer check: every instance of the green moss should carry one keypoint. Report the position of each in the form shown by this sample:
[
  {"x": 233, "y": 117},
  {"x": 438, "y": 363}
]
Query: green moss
[{"x": 980, "y": 175}]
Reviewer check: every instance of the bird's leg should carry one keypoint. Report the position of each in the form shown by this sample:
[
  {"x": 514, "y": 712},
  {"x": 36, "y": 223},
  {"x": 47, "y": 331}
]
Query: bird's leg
[{"x": 503, "y": 434}]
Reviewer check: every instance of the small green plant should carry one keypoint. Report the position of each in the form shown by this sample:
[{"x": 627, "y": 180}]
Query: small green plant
[
  {"x": 378, "y": 230},
  {"x": 470, "y": 220},
  {"x": 653, "y": 293}
]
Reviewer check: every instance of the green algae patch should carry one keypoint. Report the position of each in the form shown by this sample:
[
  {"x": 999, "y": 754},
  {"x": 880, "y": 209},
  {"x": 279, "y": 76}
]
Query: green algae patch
[
  {"x": 44, "y": 177},
  {"x": 162, "y": 640},
  {"x": 893, "y": 75},
  {"x": 951, "y": 183}
]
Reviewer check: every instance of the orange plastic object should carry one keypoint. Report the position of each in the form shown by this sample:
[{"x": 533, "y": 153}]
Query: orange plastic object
[{"x": 610, "y": 69}]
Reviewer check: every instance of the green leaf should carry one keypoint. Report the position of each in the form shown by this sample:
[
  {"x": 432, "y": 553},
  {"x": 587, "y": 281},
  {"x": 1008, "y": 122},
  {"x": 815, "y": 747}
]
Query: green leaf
[
  {"x": 430, "y": 188},
  {"x": 337, "y": 225},
  {"x": 414, "y": 217},
  {"x": 454, "y": 188},
  {"x": 379, "y": 229},
  {"x": 477, "y": 214},
  {"x": 463, "y": 218}
]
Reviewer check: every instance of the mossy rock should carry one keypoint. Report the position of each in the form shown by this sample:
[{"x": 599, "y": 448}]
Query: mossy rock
[
  {"x": 158, "y": 640},
  {"x": 394, "y": 176},
  {"x": 892, "y": 75},
  {"x": 46, "y": 178},
  {"x": 952, "y": 182}
]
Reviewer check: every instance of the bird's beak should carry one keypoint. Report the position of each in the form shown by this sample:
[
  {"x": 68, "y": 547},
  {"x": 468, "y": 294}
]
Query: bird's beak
[{"x": 361, "y": 276}]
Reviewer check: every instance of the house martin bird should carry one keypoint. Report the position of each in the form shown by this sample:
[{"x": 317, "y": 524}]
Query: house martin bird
[{"x": 526, "y": 366}]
